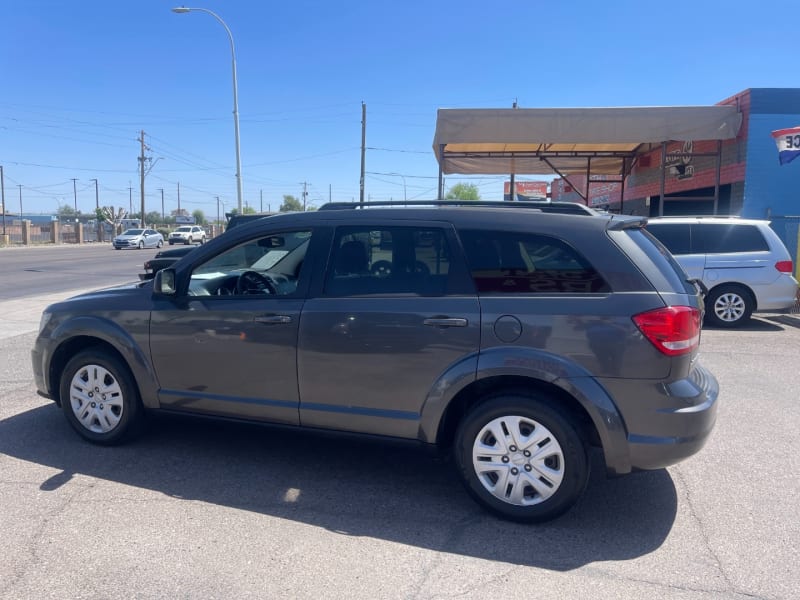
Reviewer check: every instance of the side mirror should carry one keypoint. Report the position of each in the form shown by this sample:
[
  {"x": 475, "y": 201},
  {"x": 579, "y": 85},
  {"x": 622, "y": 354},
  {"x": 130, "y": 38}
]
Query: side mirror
[{"x": 164, "y": 283}]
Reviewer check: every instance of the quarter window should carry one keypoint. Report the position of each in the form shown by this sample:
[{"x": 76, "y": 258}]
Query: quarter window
[{"x": 521, "y": 263}]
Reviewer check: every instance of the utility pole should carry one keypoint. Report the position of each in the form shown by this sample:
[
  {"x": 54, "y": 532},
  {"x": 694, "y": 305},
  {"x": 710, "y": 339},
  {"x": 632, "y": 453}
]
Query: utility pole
[
  {"x": 218, "y": 222},
  {"x": 3, "y": 198},
  {"x": 512, "y": 183},
  {"x": 261, "y": 196},
  {"x": 363, "y": 148},
  {"x": 162, "y": 205},
  {"x": 305, "y": 195},
  {"x": 130, "y": 199},
  {"x": 141, "y": 174},
  {"x": 330, "y": 192},
  {"x": 19, "y": 185},
  {"x": 179, "y": 198},
  {"x": 75, "y": 196},
  {"x": 97, "y": 208}
]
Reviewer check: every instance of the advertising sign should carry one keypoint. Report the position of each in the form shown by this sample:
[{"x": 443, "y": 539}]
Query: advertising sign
[{"x": 526, "y": 190}]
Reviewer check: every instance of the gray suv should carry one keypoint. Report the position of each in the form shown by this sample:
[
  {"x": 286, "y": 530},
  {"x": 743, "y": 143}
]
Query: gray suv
[{"x": 512, "y": 338}]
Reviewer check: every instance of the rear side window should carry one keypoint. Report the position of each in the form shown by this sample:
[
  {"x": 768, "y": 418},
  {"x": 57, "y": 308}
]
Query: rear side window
[
  {"x": 503, "y": 262},
  {"x": 676, "y": 237},
  {"x": 388, "y": 260},
  {"x": 723, "y": 238}
]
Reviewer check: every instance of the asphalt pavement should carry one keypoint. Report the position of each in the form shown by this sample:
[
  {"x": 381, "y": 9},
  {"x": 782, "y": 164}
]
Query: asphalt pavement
[{"x": 198, "y": 509}]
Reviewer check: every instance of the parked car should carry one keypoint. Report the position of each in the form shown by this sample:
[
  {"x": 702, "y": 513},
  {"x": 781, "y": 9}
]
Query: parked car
[
  {"x": 512, "y": 338},
  {"x": 164, "y": 259},
  {"x": 138, "y": 238},
  {"x": 188, "y": 234},
  {"x": 742, "y": 262}
]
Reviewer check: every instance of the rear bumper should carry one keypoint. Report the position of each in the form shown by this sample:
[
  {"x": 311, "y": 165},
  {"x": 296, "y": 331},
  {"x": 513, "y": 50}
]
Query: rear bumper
[{"x": 665, "y": 422}]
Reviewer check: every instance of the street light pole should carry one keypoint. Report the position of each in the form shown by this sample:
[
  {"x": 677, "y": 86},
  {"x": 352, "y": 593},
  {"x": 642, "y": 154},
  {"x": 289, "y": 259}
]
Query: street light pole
[
  {"x": 185, "y": 9},
  {"x": 162, "y": 204}
]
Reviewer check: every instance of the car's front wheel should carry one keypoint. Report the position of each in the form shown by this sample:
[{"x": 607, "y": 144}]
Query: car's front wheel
[
  {"x": 521, "y": 458},
  {"x": 160, "y": 243},
  {"x": 99, "y": 397},
  {"x": 729, "y": 306},
  {"x": 141, "y": 245}
]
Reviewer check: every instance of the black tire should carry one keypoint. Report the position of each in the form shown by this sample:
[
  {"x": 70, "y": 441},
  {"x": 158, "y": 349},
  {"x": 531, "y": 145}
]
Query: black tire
[
  {"x": 171, "y": 243},
  {"x": 187, "y": 242},
  {"x": 122, "y": 416},
  {"x": 159, "y": 244},
  {"x": 562, "y": 467},
  {"x": 202, "y": 240},
  {"x": 729, "y": 306},
  {"x": 141, "y": 245}
]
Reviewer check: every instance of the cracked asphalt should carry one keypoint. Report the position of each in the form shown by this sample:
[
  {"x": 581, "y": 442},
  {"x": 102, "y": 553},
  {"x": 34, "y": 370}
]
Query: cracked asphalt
[{"x": 196, "y": 509}]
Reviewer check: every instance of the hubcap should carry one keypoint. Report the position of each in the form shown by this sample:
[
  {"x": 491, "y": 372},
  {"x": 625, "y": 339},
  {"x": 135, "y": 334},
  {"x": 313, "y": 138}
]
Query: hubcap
[
  {"x": 96, "y": 398},
  {"x": 729, "y": 307},
  {"x": 518, "y": 460}
]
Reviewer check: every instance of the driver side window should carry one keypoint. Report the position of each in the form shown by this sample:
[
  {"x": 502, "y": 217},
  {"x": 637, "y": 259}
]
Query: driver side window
[{"x": 268, "y": 266}]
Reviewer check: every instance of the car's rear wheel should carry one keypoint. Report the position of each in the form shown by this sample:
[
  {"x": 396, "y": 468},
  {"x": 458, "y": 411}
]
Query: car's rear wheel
[
  {"x": 729, "y": 306},
  {"x": 521, "y": 458},
  {"x": 99, "y": 397}
]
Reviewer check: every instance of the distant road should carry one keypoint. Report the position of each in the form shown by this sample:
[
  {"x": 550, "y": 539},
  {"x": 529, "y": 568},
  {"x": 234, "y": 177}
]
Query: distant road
[{"x": 44, "y": 270}]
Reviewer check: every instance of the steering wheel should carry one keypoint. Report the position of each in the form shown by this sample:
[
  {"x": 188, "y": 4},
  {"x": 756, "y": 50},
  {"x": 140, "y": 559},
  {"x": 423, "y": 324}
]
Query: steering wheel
[{"x": 252, "y": 282}]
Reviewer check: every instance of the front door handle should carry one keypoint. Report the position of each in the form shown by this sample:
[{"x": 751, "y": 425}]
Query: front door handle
[
  {"x": 274, "y": 319},
  {"x": 445, "y": 322}
]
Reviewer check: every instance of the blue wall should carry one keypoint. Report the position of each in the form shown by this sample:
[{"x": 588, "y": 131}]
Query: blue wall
[{"x": 771, "y": 190}]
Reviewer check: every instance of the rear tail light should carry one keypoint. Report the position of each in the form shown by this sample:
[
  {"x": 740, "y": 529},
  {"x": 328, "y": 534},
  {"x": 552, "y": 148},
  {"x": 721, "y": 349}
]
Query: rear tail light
[
  {"x": 674, "y": 330},
  {"x": 784, "y": 266}
]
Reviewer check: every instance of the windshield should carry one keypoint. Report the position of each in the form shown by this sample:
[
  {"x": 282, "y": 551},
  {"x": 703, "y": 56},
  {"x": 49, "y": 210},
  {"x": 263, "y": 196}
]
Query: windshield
[
  {"x": 184, "y": 229},
  {"x": 133, "y": 232}
]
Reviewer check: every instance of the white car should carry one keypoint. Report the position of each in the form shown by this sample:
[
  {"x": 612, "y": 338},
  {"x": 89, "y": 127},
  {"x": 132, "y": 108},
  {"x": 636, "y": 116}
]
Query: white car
[
  {"x": 187, "y": 234},
  {"x": 742, "y": 262},
  {"x": 138, "y": 238}
]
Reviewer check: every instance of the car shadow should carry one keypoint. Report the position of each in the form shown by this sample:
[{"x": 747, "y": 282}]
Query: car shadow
[
  {"x": 351, "y": 487},
  {"x": 788, "y": 320}
]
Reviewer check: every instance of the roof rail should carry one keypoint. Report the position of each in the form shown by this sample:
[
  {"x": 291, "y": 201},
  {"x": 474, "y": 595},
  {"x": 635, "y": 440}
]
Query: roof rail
[{"x": 484, "y": 203}]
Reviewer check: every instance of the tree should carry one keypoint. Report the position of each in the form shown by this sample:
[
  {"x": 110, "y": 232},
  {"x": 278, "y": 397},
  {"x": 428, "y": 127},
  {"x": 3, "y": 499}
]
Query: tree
[
  {"x": 65, "y": 211},
  {"x": 463, "y": 191},
  {"x": 199, "y": 217},
  {"x": 153, "y": 217},
  {"x": 249, "y": 210},
  {"x": 291, "y": 204},
  {"x": 113, "y": 216}
]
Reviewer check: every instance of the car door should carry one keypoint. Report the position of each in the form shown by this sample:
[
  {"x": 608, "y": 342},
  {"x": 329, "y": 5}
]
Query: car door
[
  {"x": 228, "y": 348},
  {"x": 389, "y": 320}
]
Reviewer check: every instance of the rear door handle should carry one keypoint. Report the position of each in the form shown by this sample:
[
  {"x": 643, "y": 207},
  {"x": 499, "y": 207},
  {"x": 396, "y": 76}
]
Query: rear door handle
[
  {"x": 445, "y": 322},
  {"x": 273, "y": 319}
]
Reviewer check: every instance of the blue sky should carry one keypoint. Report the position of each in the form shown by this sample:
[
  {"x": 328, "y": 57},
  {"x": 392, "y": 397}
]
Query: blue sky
[{"x": 81, "y": 79}]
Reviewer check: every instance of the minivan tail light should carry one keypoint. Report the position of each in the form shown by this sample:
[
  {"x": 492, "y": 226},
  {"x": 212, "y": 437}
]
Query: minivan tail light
[
  {"x": 784, "y": 266},
  {"x": 673, "y": 330}
]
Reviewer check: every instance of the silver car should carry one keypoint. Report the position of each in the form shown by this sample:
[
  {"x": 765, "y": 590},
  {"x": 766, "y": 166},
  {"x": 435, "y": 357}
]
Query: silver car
[
  {"x": 742, "y": 262},
  {"x": 138, "y": 238}
]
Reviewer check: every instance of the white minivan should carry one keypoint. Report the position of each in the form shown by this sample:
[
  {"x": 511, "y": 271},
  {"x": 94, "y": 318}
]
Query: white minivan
[{"x": 742, "y": 262}]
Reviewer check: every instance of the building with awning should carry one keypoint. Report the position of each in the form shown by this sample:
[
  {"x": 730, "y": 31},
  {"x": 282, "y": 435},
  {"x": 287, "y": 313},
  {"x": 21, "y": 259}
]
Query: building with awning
[{"x": 664, "y": 160}]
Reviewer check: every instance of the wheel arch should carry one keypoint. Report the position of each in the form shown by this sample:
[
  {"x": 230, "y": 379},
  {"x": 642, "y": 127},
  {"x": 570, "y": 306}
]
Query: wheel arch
[{"x": 100, "y": 334}]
